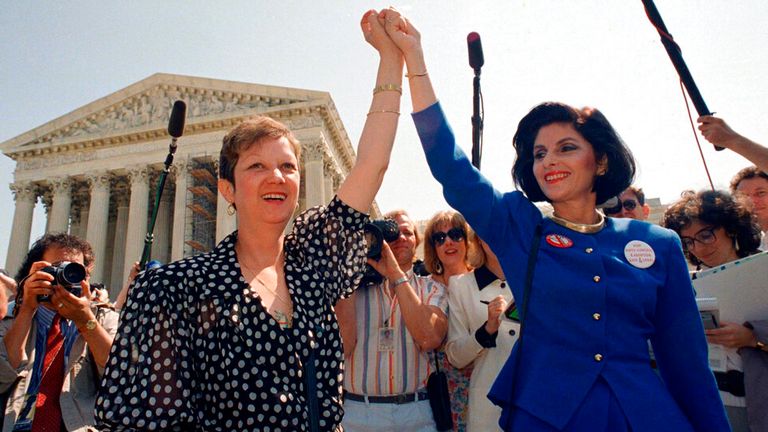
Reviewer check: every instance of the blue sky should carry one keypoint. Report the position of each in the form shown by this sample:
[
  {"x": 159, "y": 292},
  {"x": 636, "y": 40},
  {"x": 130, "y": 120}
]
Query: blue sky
[{"x": 58, "y": 56}]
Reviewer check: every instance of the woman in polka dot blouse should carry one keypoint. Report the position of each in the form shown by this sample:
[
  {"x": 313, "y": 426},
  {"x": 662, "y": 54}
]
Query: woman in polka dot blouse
[{"x": 245, "y": 337}]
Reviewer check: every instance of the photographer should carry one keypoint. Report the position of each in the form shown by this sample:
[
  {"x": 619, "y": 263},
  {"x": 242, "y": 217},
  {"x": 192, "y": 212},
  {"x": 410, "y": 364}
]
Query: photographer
[
  {"x": 55, "y": 347},
  {"x": 388, "y": 330}
]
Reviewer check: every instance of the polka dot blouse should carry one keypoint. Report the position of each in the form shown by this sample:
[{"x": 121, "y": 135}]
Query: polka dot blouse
[{"x": 196, "y": 352}]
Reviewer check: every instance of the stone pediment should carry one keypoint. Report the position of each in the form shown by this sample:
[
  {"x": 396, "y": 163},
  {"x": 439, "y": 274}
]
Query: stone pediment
[{"x": 141, "y": 111}]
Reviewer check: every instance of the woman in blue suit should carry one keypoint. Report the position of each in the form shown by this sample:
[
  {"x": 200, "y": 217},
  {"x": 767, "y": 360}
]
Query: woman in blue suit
[{"x": 602, "y": 288}]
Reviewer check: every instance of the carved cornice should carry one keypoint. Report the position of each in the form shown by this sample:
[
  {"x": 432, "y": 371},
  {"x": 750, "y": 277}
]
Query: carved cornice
[
  {"x": 53, "y": 160},
  {"x": 144, "y": 116}
]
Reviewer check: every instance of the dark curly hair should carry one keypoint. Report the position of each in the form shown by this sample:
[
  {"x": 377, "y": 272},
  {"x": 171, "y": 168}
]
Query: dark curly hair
[
  {"x": 60, "y": 240},
  {"x": 719, "y": 209},
  {"x": 594, "y": 127}
]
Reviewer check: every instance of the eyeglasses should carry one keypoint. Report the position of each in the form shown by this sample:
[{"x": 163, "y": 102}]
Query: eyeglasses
[
  {"x": 628, "y": 204},
  {"x": 456, "y": 234},
  {"x": 704, "y": 236}
]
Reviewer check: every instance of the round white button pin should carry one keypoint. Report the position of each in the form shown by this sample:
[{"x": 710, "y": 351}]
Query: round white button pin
[{"x": 640, "y": 254}]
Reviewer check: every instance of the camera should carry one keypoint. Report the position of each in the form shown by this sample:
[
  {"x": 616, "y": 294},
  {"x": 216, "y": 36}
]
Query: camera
[
  {"x": 376, "y": 233},
  {"x": 68, "y": 275}
]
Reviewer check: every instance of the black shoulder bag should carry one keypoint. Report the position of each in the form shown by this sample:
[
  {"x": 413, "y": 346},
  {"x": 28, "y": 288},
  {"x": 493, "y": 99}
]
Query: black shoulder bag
[
  {"x": 439, "y": 398},
  {"x": 526, "y": 297}
]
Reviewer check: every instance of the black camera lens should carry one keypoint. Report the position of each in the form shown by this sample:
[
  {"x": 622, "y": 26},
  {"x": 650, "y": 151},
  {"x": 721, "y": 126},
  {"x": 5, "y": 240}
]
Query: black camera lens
[
  {"x": 70, "y": 273},
  {"x": 378, "y": 231}
]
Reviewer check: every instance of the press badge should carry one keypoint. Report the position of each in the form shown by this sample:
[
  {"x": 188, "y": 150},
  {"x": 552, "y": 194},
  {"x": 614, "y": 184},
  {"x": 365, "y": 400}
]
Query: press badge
[{"x": 386, "y": 339}]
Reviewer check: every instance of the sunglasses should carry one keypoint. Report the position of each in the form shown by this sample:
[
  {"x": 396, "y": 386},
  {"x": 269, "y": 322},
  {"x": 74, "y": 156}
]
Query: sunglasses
[
  {"x": 628, "y": 204},
  {"x": 456, "y": 234},
  {"x": 704, "y": 236}
]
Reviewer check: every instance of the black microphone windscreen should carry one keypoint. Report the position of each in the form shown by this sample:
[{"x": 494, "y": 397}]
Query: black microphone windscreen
[
  {"x": 178, "y": 116},
  {"x": 475, "y": 47}
]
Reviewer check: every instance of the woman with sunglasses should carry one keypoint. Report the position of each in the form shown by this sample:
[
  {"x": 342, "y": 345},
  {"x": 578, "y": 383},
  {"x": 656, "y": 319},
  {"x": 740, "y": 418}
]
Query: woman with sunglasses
[
  {"x": 601, "y": 287},
  {"x": 716, "y": 228},
  {"x": 450, "y": 252},
  {"x": 480, "y": 335}
]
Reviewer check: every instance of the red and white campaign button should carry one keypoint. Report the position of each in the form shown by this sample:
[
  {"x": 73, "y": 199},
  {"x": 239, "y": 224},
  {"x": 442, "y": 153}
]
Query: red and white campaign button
[
  {"x": 559, "y": 241},
  {"x": 640, "y": 254}
]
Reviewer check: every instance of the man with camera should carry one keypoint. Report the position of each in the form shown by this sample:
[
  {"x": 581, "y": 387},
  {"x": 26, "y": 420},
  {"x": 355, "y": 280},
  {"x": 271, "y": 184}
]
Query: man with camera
[
  {"x": 388, "y": 330},
  {"x": 55, "y": 347}
]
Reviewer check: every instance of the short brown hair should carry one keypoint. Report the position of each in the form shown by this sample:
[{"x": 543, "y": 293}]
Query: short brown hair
[
  {"x": 745, "y": 174},
  {"x": 248, "y": 133},
  {"x": 472, "y": 259}
]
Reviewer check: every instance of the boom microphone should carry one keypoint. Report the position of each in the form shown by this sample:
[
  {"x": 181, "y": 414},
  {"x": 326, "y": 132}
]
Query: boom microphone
[
  {"x": 476, "y": 61},
  {"x": 475, "y": 48},
  {"x": 175, "y": 130},
  {"x": 178, "y": 116}
]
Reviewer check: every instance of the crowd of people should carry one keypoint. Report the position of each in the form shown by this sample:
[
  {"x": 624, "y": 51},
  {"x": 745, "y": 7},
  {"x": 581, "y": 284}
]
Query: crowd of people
[{"x": 534, "y": 322}]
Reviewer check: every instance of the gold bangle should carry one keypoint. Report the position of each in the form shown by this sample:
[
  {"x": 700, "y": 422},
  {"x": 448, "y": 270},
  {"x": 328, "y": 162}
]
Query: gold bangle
[
  {"x": 383, "y": 111},
  {"x": 415, "y": 75},
  {"x": 388, "y": 87}
]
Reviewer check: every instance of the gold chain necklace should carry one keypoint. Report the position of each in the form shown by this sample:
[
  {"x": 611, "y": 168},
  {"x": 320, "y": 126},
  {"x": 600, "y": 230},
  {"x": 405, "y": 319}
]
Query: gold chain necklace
[
  {"x": 284, "y": 319},
  {"x": 578, "y": 227}
]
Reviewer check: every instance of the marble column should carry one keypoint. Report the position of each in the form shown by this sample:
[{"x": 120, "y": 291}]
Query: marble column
[
  {"x": 118, "y": 250},
  {"x": 82, "y": 224},
  {"x": 329, "y": 172},
  {"x": 137, "y": 216},
  {"x": 181, "y": 174},
  {"x": 313, "y": 169},
  {"x": 163, "y": 228},
  {"x": 46, "y": 198},
  {"x": 62, "y": 202},
  {"x": 98, "y": 218},
  {"x": 25, "y": 195}
]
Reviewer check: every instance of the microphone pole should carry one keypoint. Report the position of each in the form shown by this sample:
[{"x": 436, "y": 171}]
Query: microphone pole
[
  {"x": 476, "y": 61},
  {"x": 175, "y": 129},
  {"x": 676, "y": 56}
]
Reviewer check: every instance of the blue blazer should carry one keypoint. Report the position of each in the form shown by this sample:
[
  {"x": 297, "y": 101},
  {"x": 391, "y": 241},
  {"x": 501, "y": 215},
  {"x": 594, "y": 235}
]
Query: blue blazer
[{"x": 591, "y": 311}]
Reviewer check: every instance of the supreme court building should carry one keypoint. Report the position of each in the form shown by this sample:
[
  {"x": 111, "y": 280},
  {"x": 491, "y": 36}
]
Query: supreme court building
[{"x": 96, "y": 169}]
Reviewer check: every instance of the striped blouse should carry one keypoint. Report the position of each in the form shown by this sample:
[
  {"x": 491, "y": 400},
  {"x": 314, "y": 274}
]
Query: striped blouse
[{"x": 403, "y": 369}]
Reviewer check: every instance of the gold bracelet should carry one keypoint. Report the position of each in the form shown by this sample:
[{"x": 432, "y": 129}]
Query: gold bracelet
[
  {"x": 383, "y": 111},
  {"x": 388, "y": 87},
  {"x": 415, "y": 75}
]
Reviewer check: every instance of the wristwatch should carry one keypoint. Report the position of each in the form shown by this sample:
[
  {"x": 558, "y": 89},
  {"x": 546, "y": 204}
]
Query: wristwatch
[
  {"x": 91, "y": 324},
  {"x": 761, "y": 346}
]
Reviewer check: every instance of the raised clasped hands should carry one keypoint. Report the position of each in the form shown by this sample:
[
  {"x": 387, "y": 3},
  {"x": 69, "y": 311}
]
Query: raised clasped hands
[{"x": 388, "y": 29}]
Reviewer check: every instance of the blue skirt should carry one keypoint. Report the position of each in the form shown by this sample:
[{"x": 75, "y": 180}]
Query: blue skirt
[{"x": 600, "y": 411}]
